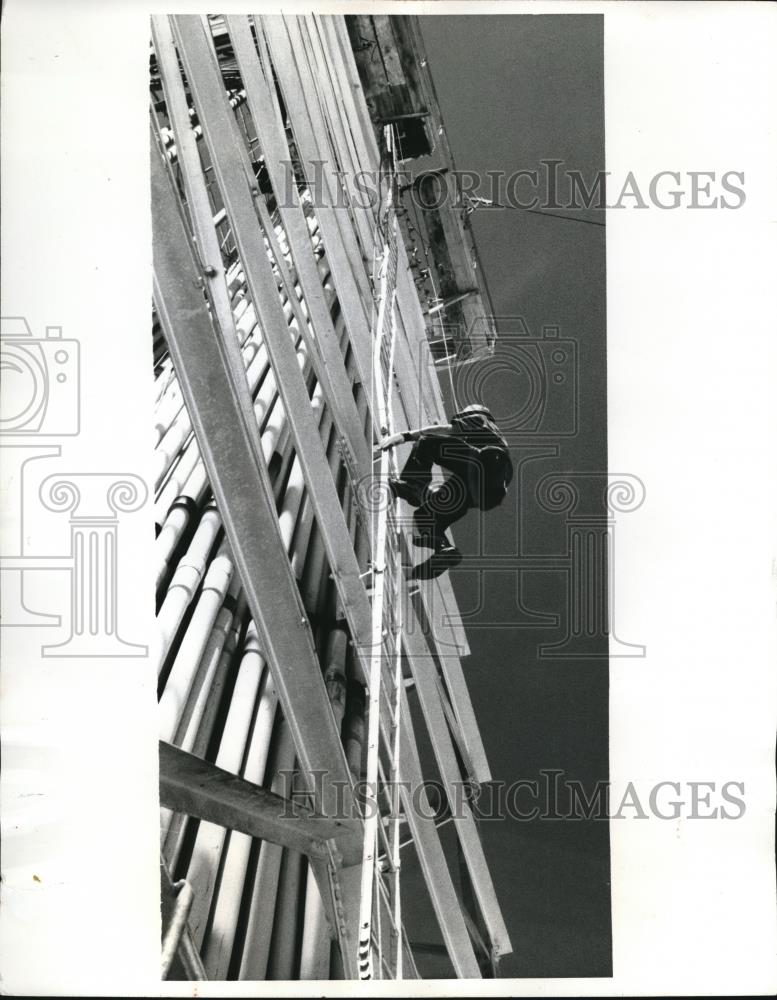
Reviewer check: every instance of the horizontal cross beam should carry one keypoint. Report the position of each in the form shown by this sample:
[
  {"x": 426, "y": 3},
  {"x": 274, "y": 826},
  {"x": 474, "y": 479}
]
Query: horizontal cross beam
[{"x": 190, "y": 785}]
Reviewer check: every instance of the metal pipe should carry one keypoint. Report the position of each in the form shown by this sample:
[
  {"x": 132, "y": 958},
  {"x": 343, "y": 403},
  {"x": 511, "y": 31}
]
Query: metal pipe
[
  {"x": 181, "y": 682},
  {"x": 283, "y": 959},
  {"x": 315, "y": 945},
  {"x": 171, "y": 445},
  {"x": 175, "y": 929},
  {"x": 186, "y": 580},
  {"x": 203, "y": 675},
  {"x": 304, "y": 523},
  {"x": 197, "y": 481},
  {"x": 264, "y": 889},
  {"x": 227, "y": 626},
  {"x": 210, "y": 838},
  {"x": 314, "y": 959},
  {"x": 353, "y": 728},
  {"x": 167, "y": 409},
  {"x": 179, "y": 476},
  {"x": 200, "y": 734},
  {"x": 218, "y": 946}
]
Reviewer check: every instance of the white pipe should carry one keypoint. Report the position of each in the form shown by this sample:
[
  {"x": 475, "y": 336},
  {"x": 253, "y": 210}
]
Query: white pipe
[
  {"x": 170, "y": 446},
  {"x": 186, "y": 580},
  {"x": 315, "y": 947},
  {"x": 167, "y": 410},
  {"x": 175, "y": 483},
  {"x": 261, "y": 915},
  {"x": 182, "y": 682},
  {"x": 217, "y": 948},
  {"x": 189, "y": 723},
  {"x": 210, "y": 837},
  {"x": 202, "y": 734}
]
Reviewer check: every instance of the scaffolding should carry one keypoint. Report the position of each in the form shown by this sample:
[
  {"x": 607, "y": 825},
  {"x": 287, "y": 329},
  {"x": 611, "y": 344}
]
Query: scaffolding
[{"x": 289, "y": 339}]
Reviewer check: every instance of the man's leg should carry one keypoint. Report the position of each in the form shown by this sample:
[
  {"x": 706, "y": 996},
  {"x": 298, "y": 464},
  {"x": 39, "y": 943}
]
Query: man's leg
[
  {"x": 444, "y": 557},
  {"x": 413, "y": 484},
  {"x": 446, "y": 504}
]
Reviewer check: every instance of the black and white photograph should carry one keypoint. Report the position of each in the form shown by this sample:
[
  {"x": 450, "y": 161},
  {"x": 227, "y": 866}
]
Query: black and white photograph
[
  {"x": 388, "y": 500},
  {"x": 424, "y": 424}
]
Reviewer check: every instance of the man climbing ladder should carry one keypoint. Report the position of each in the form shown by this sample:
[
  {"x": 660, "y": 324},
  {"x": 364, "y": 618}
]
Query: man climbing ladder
[{"x": 474, "y": 454}]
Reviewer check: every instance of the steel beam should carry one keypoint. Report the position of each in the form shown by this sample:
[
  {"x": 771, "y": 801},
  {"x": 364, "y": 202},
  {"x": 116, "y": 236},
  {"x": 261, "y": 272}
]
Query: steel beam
[
  {"x": 213, "y": 111},
  {"x": 425, "y": 666},
  {"x": 345, "y": 261},
  {"x": 315, "y": 104},
  {"x": 191, "y": 785},
  {"x": 198, "y": 201},
  {"x": 425, "y": 674},
  {"x": 263, "y": 104},
  {"x": 321, "y": 75},
  {"x": 254, "y": 252},
  {"x": 213, "y": 115},
  {"x": 438, "y": 600},
  {"x": 431, "y": 856},
  {"x": 222, "y": 415}
]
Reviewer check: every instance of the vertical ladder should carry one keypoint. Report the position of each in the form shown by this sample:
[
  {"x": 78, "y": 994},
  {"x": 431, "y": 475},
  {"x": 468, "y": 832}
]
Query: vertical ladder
[{"x": 386, "y": 652}]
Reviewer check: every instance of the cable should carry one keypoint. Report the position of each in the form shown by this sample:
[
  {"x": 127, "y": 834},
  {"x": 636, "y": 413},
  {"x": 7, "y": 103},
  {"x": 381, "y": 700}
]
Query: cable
[{"x": 550, "y": 215}]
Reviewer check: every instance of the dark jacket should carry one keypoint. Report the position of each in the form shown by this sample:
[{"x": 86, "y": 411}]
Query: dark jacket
[{"x": 490, "y": 470}]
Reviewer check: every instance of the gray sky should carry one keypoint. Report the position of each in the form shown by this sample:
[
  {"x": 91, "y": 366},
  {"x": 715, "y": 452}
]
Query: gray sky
[{"x": 515, "y": 90}]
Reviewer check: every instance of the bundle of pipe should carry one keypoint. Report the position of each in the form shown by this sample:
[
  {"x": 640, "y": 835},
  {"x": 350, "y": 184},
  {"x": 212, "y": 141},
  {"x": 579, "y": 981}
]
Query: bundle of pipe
[{"x": 257, "y": 912}]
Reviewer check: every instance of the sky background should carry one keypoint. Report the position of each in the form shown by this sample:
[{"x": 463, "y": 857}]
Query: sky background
[{"x": 515, "y": 90}]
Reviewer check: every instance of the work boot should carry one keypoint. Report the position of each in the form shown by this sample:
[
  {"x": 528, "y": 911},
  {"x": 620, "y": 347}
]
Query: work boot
[
  {"x": 409, "y": 492},
  {"x": 446, "y": 556},
  {"x": 425, "y": 539}
]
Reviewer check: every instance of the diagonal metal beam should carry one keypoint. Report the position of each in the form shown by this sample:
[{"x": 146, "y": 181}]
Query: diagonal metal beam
[
  {"x": 321, "y": 73},
  {"x": 263, "y": 104},
  {"x": 425, "y": 674},
  {"x": 191, "y": 785},
  {"x": 348, "y": 268},
  {"x": 213, "y": 111},
  {"x": 258, "y": 257},
  {"x": 426, "y": 839},
  {"x": 294, "y": 50},
  {"x": 288, "y": 47},
  {"x": 222, "y": 415},
  {"x": 200, "y": 212},
  {"x": 438, "y": 599}
]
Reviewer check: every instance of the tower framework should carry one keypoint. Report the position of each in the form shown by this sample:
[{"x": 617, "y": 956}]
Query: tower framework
[{"x": 289, "y": 339}]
